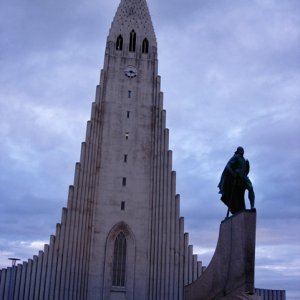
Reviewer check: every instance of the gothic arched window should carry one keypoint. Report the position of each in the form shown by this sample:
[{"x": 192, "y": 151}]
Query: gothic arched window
[
  {"x": 119, "y": 43},
  {"x": 119, "y": 260},
  {"x": 145, "y": 46},
  {"x": 132, "y": 41}
]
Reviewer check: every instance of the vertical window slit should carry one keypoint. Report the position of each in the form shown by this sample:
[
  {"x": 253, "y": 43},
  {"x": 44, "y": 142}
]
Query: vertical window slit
[
  {"x": 132, "y": 41},
  {"x": 145, "y": 46},
  {"x": 119, "y": 43}
]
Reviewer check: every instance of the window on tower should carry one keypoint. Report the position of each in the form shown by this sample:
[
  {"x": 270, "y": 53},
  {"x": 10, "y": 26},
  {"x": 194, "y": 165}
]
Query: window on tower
[
  {"x": 145, "y": 46},
  {"x": 123, "y": 205},
  {"x": 119, "y": 262},
  {"x": 132, "y": 41},
  {"x": 119, "y": 43}
]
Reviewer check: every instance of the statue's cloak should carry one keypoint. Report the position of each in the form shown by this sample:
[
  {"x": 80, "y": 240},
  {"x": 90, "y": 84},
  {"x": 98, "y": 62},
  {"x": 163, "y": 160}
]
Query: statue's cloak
[{"x": 232, "y": 188}]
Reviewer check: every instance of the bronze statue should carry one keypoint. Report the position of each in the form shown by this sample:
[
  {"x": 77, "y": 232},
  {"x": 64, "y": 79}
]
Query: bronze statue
[{"x": 234, "y": 181}]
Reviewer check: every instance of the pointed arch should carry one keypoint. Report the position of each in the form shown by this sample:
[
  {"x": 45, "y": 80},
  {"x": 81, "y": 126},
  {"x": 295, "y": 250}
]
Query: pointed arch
[
  {"x": 145, "y": 46},
  {"x": 132, "y": 41},
  {"x": 119, "y": 260},
  {"x": 119, "y": 43}
]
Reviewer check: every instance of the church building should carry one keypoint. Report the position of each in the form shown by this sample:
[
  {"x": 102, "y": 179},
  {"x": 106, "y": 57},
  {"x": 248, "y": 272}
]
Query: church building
[{"x": 121, "y": 235}]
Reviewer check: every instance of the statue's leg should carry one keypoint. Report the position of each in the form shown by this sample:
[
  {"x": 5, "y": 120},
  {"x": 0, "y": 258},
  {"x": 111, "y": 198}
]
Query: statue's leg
[
  {"x": 251, "y": 194},
  {"x": 251, "y": 197}
]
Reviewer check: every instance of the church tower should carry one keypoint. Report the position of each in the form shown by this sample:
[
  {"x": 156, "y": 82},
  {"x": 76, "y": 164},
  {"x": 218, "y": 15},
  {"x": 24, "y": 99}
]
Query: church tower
[{"x": 121, "y": 235}]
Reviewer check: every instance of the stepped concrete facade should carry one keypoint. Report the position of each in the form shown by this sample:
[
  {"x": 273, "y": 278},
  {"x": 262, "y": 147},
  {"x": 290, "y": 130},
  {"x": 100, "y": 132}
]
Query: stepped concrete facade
[{"x": 121, "y": 235}]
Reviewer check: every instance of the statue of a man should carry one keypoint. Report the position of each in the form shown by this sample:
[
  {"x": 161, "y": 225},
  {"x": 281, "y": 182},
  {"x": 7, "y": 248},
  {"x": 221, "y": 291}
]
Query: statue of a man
[{"x": 234, "y": 181}]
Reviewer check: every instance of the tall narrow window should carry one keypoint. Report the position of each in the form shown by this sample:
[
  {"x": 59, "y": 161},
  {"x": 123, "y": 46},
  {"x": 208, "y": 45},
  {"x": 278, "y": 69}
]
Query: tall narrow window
[
  {"x": 119, "y": 43},
  {"x": 125, "y": 158},
  {"x": 127, "y": 135},
  {"x": 145, "y": 46},
  {"x": 128, "y": 114},
  {"x": 129, "y": 94},
  {"x": 119, "y": 262},
  {"x": 124, "y": 181},
  {"x": 132, "y": 41},
  {"x": 123, "y": 205}
]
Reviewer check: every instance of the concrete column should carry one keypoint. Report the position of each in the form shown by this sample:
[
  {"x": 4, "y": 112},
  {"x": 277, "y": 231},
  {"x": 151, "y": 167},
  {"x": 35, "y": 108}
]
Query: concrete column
[
  {"x": 23, "y": 280},
  {"x": 72, "y": 218},
  {"x": 2, "y": 283},
  {"x": 53, "y": 283},
  {"x": 195, "y": 267},
  {"x": 172, "y": 233},
  {"x": 186, "y": 259},
  {"x": 84, "y": 213},
  {"x": 49, "y": 268},
  {"x": 96, "y": 139},
  {"x": 164, "y": 218},
  {"x": 60, "y": 256},
  {"x": 18, "y": 282},
  {"x": 199, "y": 269},
  {"x": 44, "y": 272},
  {"x": 154, "y": 205},
  {"x": 12, "y": 282},
  {"x": 38, "y": 274},
  {"x": 181, "y": 259},
  {"x": 168, "y": 225},
  {"x": 7, "y": 283},
  {"x": 177, "y": 246},
  {"x": 99, "y": 90},
  {"x": 28, "y": 279},
  {"x": 79, "y": 218},
  {"x": 66, "y": 251},
  {"x": 33, "y": 277},
  {"x": 190, "y": 262}
]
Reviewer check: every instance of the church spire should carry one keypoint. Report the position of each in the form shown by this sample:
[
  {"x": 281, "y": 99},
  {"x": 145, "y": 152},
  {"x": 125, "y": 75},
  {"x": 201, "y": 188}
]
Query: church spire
[{"x": 132, "y": 26}]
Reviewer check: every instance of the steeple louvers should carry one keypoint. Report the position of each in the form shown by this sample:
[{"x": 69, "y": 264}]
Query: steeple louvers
[{"x": 133, "y": 15}]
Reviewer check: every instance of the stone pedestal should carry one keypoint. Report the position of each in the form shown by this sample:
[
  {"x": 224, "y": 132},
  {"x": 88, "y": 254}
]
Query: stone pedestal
[{"x": 231, "y": 269}]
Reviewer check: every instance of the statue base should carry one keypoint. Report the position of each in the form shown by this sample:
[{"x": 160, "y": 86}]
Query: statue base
[{"x": 231, "y": 270}]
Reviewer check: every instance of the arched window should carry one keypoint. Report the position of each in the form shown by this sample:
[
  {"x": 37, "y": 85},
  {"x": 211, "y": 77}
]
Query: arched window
[
  {"x": 132, "y": 41},
  {"x": 119, "y": 43},
  {"x": 145, "y": 46},
  {"x": 119, "y": 262}
]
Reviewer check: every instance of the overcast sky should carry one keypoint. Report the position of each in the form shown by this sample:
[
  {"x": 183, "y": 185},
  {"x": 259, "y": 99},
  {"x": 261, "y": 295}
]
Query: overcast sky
[{"x": 230, "y": 75}]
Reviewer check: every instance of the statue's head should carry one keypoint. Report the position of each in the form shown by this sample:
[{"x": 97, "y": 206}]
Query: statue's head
[{"x": 239, "y": 150}]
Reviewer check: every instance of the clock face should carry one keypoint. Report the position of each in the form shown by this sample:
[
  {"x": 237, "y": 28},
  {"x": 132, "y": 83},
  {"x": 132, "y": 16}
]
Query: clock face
[{"x": 130, "y": 71}]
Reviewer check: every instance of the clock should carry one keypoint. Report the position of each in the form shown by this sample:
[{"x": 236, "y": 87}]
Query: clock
[{"x": 130, "y": 71}]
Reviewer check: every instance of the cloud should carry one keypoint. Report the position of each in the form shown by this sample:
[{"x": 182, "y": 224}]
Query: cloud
[{"x": 20, "y": 249}]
